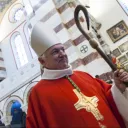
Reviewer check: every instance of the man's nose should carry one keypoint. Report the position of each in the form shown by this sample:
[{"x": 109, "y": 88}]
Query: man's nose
[{"x": 62, "y": 53}]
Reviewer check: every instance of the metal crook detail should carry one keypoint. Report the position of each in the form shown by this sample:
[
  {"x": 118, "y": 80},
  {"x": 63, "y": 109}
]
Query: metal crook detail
[
  {"x": 76, "y": 17},
  {"x": 92, "y": 41}
]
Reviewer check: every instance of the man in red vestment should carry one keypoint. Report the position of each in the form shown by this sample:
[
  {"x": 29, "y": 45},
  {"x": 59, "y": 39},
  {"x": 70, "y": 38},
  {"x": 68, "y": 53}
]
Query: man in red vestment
[{"x": 69, "y": 99}]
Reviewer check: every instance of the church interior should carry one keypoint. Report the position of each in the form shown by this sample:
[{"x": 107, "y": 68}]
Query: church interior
[{"x": 19, "y": 66}]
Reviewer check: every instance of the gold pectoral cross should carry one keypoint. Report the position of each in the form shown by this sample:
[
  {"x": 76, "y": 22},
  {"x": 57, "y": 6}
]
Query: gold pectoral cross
[{"x": 90, "y": 104}]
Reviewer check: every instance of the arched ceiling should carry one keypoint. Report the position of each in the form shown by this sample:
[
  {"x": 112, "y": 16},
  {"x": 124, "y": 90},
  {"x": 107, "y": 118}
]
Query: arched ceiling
[{"x": 4, "y": 6}]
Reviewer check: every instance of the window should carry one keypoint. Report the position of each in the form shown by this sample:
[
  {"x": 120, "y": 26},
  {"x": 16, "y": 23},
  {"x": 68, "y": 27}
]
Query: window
[
  {"x": 19, "y": 50},
  {"x": 124, "y": 5},
  {"x": 18, "y": 14}
]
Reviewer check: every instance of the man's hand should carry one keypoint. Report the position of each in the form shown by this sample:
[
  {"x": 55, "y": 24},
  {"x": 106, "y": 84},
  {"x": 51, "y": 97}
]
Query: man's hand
[{"x": 120, "y": 76}]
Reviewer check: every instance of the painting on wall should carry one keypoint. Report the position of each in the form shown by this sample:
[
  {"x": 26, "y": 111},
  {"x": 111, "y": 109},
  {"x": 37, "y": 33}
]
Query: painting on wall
[
  {"x": 124, "y": 47},
  {"x": 118, "y": 31},
  {"x": 116, "y": 52},
  {"x": 124, "y": 5},
  {"x": 122, "y": 59}
]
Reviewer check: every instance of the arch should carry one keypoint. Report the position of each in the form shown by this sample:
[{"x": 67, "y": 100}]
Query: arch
[
  {"x": 6, "y": 9},
  {"x": 13, "y": 10},
  {"x": 27, "y": 92},
  {"x": 8, "y": 104}
]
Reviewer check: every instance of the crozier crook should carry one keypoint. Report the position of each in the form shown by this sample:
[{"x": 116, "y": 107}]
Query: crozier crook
[{"x": 92, "y": 41}]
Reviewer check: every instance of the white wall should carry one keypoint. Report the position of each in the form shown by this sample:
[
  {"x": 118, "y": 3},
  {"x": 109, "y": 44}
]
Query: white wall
[
  {"x": 19, "y": 78},
  {"x": 7, "y": 52},
  {"x": 108, "y": 12},
  {"x": 5, "y": 26}
]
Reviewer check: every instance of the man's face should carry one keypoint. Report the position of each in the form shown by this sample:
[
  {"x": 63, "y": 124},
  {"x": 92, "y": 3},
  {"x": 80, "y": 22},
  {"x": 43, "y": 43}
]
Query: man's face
[{"x": 55, "y": 58}]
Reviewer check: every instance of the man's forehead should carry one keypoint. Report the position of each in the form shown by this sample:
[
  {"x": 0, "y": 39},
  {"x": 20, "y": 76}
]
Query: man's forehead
[{"x": 57, "y": 46}]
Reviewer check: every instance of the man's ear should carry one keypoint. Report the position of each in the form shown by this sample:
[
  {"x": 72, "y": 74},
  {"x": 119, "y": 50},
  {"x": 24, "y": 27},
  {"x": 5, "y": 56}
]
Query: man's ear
[{"x": 41, "y": 60}]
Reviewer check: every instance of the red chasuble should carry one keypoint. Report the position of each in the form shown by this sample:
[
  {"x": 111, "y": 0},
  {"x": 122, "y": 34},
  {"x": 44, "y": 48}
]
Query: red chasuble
[{"x": 56, "y": 104}]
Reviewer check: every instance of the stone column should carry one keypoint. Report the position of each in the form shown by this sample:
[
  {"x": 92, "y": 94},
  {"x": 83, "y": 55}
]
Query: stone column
[{"x": 65, "y": 9}]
